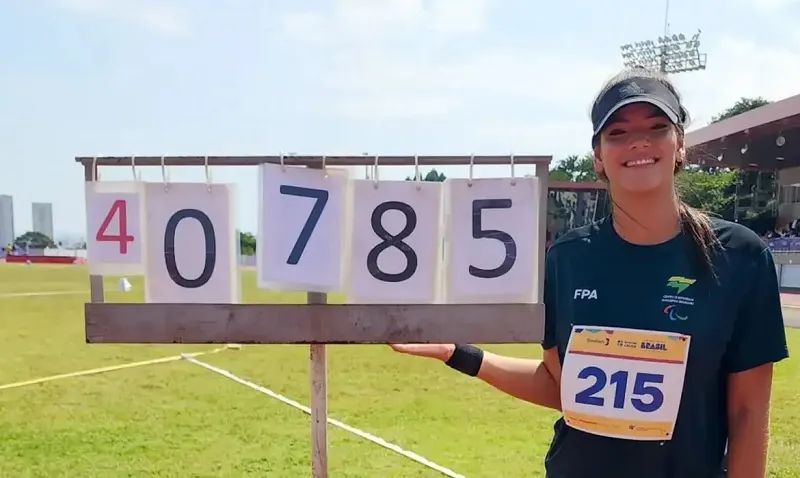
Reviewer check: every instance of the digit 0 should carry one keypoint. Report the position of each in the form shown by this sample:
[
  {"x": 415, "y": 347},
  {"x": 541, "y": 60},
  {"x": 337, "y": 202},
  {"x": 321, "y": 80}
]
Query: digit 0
[
  {"x": 210, "y": 248},
  {"x": 118, "y": 208},
  {"x": 388, "y": 240}
]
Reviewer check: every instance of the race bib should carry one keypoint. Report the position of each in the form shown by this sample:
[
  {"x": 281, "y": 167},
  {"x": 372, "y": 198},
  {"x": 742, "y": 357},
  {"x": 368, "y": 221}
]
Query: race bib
[{"x": 623, "y": 383}]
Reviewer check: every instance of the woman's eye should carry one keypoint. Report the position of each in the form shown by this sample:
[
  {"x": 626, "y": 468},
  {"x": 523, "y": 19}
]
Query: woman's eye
[
  {"x": 616, "y": 132},
  {"x": 659, "y": 126}
]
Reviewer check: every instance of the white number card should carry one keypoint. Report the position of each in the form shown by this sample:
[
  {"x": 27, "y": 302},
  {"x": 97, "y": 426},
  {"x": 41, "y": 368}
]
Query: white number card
[
  {"x": 302, "y": 228},
  {"x": 115, "y": 230},
  {"x": 396, "y": 246},
  {"x": 492, "y": 240},
  {"x": 192, "y": 246}
]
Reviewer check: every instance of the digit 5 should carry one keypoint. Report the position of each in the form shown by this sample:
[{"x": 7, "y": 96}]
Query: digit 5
[{"x": 641, "y": 387}]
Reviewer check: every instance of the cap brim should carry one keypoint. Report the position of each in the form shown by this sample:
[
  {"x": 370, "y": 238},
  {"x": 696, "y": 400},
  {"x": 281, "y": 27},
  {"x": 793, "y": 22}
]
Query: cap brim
[{"x": 672, "y": 115}]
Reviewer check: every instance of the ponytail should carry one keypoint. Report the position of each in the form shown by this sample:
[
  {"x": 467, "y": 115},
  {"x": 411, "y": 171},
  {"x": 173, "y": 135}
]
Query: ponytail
[{"x": 697, "y": 225}]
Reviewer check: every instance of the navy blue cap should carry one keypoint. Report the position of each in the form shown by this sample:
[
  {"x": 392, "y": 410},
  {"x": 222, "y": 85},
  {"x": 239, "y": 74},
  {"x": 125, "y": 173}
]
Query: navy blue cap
[{"x": 636, "y": 90}]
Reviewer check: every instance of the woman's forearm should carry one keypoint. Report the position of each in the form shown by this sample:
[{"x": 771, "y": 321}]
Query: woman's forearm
[
  {"x": 526, "y": 379},
  {"x": 747, "y": 445}
]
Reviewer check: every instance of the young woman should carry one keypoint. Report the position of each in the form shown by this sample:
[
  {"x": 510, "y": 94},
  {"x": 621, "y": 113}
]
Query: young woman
[{"x": 667, "y": 360}]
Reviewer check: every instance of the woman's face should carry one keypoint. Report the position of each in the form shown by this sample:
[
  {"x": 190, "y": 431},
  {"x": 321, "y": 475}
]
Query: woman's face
[{"x": 638, "y": 149}]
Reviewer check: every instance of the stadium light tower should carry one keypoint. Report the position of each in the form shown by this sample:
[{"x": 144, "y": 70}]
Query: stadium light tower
[{"x": 669, "y": 54}]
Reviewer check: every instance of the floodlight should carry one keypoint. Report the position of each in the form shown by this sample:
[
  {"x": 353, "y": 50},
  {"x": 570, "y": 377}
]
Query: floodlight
[{"x": 672, "y": 54}]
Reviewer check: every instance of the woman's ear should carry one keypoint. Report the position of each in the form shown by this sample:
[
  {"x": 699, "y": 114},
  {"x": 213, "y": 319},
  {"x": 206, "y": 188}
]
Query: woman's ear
[
  {"x": 597, "y": 162},
  {"x": 680, "y": 154}
]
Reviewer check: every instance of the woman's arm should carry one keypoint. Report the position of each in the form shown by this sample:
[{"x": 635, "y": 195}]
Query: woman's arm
[
  {"x": 748, "y": 422},
  {"x": 758, "y": 342},
  {"x": 535, "y": 381}
]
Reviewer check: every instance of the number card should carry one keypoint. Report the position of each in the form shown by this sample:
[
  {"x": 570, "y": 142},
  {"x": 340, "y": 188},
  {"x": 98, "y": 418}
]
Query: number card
[
  {"x": 396, "y": 246},
  {"x": 623, "y": 383},
  {"x": 115, "y": 231},
  {"x": 192, "y": 245},
  {"x": 301, "y": 232},
  {"x": 492, "y": 240}
]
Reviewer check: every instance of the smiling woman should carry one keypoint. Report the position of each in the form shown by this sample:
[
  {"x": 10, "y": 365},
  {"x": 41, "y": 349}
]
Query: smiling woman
[{"x": 662, "y": 324}]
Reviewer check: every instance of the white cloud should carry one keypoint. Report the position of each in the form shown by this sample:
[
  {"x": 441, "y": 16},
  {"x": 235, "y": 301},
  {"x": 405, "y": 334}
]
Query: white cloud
[
  {"x": 494, "y": 80},
  {"x": 769, "y": 6},
  {"x": 737, "y": 68},
  {"x": 377, "y": 64},
  {"x": 156, "y": 16},
  {"x": 354, "y": 21}
]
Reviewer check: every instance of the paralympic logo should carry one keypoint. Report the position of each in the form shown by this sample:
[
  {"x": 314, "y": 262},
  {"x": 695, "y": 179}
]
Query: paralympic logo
[{"x": 672, "y": 314}]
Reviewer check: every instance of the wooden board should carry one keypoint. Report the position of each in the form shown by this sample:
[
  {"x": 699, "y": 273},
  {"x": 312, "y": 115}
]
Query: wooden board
[{"x": 312, "y": 323}]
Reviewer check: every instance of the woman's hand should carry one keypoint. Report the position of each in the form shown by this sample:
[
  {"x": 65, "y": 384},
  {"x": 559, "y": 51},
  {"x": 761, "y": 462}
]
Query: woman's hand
[{"x": 441, "y": 352}]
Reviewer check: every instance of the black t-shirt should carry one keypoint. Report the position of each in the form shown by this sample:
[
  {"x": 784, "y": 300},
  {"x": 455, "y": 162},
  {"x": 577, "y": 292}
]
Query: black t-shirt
[{"x": 595, "y": 278}]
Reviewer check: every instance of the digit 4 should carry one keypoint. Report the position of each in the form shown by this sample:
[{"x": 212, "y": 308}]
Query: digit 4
[{"x": 120, "y": 208}]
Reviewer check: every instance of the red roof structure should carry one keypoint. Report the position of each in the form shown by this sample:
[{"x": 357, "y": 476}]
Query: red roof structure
[{"x": 766, "y": 140}]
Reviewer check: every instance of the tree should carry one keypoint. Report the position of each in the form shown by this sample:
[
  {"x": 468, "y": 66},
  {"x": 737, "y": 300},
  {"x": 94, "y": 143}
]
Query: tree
[
  {"x": 432, "y": 176},
  {"x": 34, "y": 240},
  {"x": 751, "y": 217},
  {"x": 742, "y": 106},
  {"x": 574, "y": 168},
  {"x": 712, "y": 191},
  {"x": 247, "y": 244}
]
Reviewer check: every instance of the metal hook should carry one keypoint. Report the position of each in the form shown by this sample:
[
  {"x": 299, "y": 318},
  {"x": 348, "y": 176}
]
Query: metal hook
[
  {"x": 417, "y": 176},
  {"x": 513, "y": 177},
  {"x": 471, "y": 165},
  {"x": 324, "y": 166},
  {"x": 208, "y": 173},
  {"x": 95, "y": 172},
  {"x": 133, "y": 167},
  {"x": 375, "y": 172},
  {"x": 283, "y": 166},
  {"x": 164, "y": 174}
]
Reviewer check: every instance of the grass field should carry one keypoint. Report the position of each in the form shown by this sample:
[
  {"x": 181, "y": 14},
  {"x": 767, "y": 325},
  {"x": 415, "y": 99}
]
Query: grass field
[{"x": 180, "y": 420}]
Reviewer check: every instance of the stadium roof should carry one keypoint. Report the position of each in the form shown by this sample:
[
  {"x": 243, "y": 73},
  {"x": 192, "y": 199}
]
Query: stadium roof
[{"x": 765, "y": 138}]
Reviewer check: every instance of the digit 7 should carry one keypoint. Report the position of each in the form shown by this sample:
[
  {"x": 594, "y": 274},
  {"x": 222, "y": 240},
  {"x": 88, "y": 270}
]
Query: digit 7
[
  {"x": 120, "y": 207},
  {"x": 321, "y": 199}
]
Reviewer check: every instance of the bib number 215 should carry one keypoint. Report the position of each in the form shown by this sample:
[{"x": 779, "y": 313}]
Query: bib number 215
[{"x": 646, "y": 397}]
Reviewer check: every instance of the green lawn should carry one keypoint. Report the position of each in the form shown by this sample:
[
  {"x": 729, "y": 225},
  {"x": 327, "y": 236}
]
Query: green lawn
[{"x": 180, "y": 420}]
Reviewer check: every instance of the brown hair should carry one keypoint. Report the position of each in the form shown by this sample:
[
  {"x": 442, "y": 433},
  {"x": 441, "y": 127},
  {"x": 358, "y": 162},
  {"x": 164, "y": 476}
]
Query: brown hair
[{"x": 694, "y": 222}]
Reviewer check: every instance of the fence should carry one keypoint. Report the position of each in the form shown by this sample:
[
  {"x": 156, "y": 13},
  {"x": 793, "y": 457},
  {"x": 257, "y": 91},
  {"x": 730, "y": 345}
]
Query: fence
[{"x": 782, "y": 244}]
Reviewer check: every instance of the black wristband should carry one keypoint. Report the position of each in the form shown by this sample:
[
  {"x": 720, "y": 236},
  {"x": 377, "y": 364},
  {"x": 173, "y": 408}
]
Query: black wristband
[{"x": 467, "y": 359}]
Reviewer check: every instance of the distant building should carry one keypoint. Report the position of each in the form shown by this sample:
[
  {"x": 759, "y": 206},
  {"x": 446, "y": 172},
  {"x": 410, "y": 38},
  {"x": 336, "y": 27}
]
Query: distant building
[
  {"x": 43, "y": 218},
  {"x": 6, "y": 220}
]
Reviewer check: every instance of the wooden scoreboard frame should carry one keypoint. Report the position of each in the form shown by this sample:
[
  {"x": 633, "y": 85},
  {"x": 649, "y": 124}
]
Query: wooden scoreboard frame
[{"x": 318, "y": 323}]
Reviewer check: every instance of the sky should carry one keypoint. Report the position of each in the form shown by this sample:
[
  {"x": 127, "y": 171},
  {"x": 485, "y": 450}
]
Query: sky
[{"x": 197, "y": 77}]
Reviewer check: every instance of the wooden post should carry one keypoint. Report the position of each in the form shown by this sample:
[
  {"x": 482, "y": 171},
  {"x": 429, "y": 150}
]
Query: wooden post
[
  {"x": 97, "y": 294},
  {"x": 319, "y": 401},
  {"x": 542, "y": 174},
  {"x": 319, "y": 394}
]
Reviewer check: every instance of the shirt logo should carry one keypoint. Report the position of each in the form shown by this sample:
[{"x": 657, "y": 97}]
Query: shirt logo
[
  {"x": 585, "y": 294},
  {"x": 675, "y": 299},
  {"x": 679, "y": 283},
  {"x": 673, "y": 314}
]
